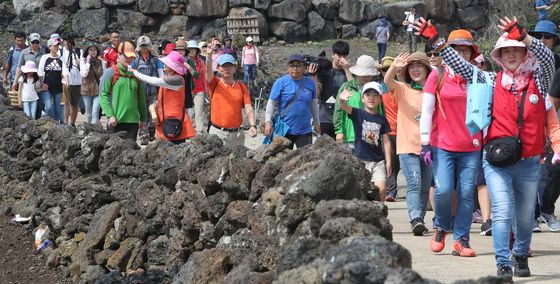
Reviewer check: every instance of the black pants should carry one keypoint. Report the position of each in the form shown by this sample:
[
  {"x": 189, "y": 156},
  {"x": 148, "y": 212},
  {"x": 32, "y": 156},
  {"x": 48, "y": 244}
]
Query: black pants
[
  {"x": 396, "y": 166},
  {"x": 131, "y": 129},
  {"x": 300, "y": 140},
  {"x": 551, "y": 191},
  {"x": 328, "y": 129}
]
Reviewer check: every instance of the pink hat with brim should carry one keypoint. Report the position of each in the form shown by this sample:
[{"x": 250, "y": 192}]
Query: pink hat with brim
[
  {"x": 29, "y": 67},
  {"x": 175, "y": 61},
  {"x": 502, "y": 42}
]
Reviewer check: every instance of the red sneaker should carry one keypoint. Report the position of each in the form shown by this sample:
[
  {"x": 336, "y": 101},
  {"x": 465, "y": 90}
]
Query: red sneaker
[
  {"x": 438, "y": 240},
  {"x": 462, "y": 248}
]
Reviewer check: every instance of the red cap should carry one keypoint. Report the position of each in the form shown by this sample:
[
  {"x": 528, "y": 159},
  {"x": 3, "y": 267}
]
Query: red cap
[{"x": 168, "y": 48}]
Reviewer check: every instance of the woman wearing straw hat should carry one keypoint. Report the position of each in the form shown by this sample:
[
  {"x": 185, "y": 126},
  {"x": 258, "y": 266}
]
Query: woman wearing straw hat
[
  {"x": 414, "y": 68},
  {"x": 171, "y": 100},
  {"x": 363, "y": 72}
]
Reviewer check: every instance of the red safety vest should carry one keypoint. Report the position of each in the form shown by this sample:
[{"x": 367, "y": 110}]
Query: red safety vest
[{"x": 505, "y": 112}]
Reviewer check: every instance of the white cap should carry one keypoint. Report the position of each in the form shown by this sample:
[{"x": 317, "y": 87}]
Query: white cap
[
  {"x": 249, "y": 39},
  {"x": 53, "y": 41},
  {"x": 372, "y": 85}
]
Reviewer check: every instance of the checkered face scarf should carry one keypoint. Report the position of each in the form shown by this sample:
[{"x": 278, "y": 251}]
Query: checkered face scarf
[{"x": 519, "y": 79}]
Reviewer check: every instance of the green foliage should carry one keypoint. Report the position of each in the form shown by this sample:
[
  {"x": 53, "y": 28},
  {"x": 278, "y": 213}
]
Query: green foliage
[{"x": 68, "y": 24}]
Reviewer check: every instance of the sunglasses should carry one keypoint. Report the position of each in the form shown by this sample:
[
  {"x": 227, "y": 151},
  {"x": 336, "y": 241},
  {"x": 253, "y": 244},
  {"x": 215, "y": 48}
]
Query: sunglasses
[
  {"x": 430, "y": 54},
  {"x": 545, "y": 36},
  {"x": 35, "y": 42}
]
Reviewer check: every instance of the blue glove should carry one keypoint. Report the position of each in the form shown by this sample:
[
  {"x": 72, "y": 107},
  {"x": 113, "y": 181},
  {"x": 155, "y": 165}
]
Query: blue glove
[{"x": 426, "y": 154}]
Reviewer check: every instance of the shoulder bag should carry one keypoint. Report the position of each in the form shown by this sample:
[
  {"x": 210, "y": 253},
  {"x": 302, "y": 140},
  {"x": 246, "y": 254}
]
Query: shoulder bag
[
  {"x": 280, "y": 126},
  {"x": 506, "y": 151}
]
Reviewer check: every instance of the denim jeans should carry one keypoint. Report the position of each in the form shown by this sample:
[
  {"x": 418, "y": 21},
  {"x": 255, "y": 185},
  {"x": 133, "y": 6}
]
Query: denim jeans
[
  {"x": 30, "y": 108},
  {"x": 92, "y": 108},
  {"x": 250, "y": 72},
  {"x": 53, "y": 108},
  {"x": 513, "y": 193},
  {"x": 381, "y": 49},
  {"x": 455, "y": 170},
  {"x": 418, "y": 178}
]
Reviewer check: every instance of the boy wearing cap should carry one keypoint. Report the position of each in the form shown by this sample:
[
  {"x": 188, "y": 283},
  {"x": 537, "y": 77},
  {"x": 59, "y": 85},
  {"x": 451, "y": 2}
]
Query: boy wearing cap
[
  {"x": 227, "y": 99},
  {"x": 297, "y": 99},
  {"x": 369, "y": 127},
  {"x": 148, "y": 64},
  {"x": 364, "y": 71},
  {"x": 123, "y": 102}
]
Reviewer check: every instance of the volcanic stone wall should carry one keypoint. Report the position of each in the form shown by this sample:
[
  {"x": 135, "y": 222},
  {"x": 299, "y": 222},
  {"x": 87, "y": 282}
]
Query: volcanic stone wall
[
  {"x": 198, "y": 212},
  {"x": 289, "y": 20}
]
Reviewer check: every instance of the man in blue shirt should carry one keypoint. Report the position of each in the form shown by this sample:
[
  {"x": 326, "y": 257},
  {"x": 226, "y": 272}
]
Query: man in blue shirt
[
  {"x": 297, "y": 99},
  {"x": 13, "y": 58}
]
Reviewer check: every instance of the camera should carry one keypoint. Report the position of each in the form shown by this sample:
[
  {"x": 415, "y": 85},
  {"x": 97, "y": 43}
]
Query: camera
[{"x": 323, "y": 64}]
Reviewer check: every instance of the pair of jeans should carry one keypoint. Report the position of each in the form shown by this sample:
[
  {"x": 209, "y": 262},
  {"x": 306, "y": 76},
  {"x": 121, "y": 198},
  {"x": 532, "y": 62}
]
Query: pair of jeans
[
  {"x": 250, "y": 73},
  {"x": 411, "y": 41},
  {"x": 418, "y": 178},
  {"x": 381, "y": 49},
  {"x": 53, "y": 107},
  {"x": 392, "y": 179},
  {"x": 513, "y": 193},
  {"x": 30, "y": 108},
  {"x": 455, "y": 171},
  {"x": 92, "y": 108}
]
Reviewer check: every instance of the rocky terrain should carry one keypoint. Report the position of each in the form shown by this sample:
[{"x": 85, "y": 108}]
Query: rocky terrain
[
  {"x": 196, "y": 213},
  {"x": 290, "y": 20}
]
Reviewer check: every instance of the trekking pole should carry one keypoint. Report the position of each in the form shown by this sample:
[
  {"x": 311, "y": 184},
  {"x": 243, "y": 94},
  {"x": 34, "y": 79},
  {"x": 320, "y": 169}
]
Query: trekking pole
[{"x": 257, "y": 106}]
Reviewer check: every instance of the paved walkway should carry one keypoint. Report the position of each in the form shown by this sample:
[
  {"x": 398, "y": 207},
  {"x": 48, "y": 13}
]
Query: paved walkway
[{"x": 544, "y": 265}]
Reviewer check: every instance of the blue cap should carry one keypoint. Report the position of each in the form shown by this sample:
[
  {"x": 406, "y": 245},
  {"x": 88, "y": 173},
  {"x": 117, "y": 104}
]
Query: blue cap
[
  {"x": 544, "y": 26},
  {"x": 226, "y": 58},
  {"x": 296, "y": 57}
]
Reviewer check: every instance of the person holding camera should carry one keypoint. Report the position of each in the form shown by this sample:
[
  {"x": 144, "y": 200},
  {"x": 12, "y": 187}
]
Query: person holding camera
[
  {"x": 521, "y": 119},
  {"x": 330, "y": 82}
]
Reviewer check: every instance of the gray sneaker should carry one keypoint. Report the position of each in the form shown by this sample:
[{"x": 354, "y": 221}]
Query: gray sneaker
[{"x": 551, "y": 222}]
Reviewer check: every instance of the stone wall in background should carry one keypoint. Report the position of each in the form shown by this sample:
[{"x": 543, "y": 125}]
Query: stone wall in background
[{"x": 289, "y": 20}]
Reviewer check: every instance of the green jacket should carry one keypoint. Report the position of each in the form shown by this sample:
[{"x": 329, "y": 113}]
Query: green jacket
[
  {"x": 126, "y": 104},
  {"x": 341, "y": 121}
]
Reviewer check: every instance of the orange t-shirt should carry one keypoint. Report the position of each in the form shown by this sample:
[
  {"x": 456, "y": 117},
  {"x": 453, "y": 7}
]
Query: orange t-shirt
[
  {"x": 226, "y": 103},
  {"x": 408, "y": 118},
  {"x": 391, "y": 110}
]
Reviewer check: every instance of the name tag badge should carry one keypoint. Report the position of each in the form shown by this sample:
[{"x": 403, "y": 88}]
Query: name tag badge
[
  {"x": 475, "y": 142},
  {"x": 534, "y": 99}
]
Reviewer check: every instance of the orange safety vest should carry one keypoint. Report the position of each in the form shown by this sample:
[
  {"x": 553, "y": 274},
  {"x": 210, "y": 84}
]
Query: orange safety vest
[{"x": 174, "y": 103}]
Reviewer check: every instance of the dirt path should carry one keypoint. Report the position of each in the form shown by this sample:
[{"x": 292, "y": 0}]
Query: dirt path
[{"x": 18, "y": 263}]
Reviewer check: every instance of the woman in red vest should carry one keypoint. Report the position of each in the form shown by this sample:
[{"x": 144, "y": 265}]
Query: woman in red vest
[
  {"x": 513, "y": 146},
  {"x": 173, "y": 123}
]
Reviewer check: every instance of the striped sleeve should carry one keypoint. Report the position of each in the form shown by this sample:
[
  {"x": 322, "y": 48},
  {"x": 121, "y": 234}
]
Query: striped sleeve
[{"x": 464, "y": 68}]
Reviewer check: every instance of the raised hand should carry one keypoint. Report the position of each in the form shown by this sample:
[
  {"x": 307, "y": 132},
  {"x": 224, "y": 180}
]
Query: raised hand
[
  {"x": 426, "y": 30},
  {"x": 344, "y": 96},
  {"x": 513, "y": 28},
  {"x": 401, "y": 61}
]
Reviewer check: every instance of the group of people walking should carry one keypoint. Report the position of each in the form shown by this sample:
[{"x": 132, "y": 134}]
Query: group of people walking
[
  {"x": 411, "y": 112},
  {"x": 60, "y": 78}
]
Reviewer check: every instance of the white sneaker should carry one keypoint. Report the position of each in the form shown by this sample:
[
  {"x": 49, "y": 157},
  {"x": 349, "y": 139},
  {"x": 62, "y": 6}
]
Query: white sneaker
[
  {"x": 551, "y": 222},
  {"x": 536, "y": 227}
]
